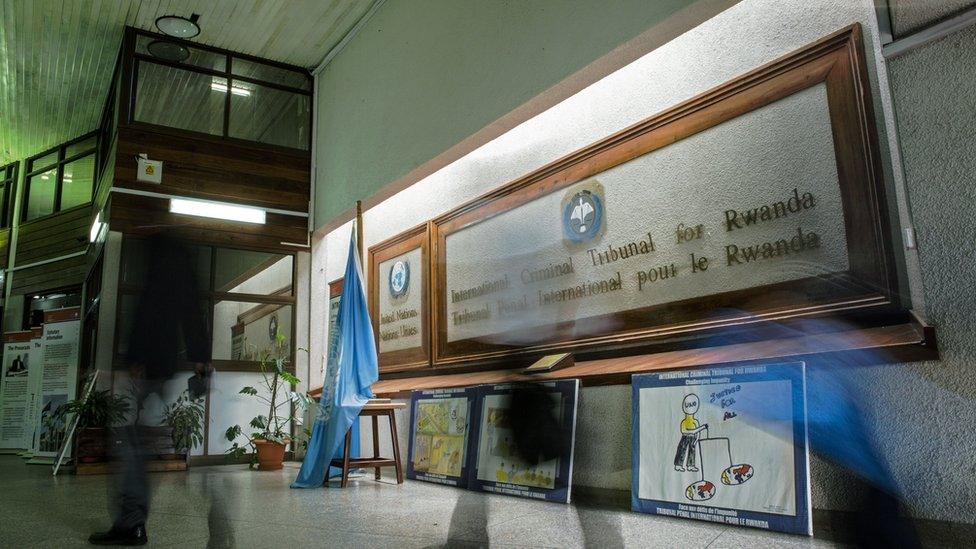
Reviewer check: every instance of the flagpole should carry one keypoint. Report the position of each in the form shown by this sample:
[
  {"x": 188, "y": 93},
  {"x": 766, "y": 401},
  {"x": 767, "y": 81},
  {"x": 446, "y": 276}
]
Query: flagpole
[{"x": 359, "y": 230}]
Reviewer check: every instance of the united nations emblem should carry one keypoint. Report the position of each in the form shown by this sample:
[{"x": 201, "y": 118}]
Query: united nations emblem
[
  {"x": 399, "y": 278},
  {"x": 583, "y": 216}
]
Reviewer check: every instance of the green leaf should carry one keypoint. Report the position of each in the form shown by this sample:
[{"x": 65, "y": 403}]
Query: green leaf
[
  {"x": 300, "y": 400},
  {"x": 249, "y": 391},
  {"x": 233, "y": 432},
  {"x": 259, "y": 422},
  {"x": 292, "y": 380}
]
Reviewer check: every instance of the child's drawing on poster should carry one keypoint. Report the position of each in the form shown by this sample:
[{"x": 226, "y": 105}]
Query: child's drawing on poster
[
  {"x": 499, "y": 461},
  {"x": 439, "y": 440},
  {"x": 689, "y": 445},
  {"x": 699, "y": 445}
]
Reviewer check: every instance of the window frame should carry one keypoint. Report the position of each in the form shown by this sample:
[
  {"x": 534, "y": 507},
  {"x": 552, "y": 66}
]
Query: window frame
[
  {"x": 62, "y": 161},
  {"x": 8, "y": 179},
  {"x": 132, "y": 59},
  {"x": 211, "y": 297}
]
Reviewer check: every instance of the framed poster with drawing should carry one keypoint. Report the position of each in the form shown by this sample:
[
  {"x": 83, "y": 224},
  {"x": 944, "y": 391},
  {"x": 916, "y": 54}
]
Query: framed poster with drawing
[
  {"x": 499, "y": 463},
  {"x": 398, "y": 288},
  {"x": 725, "y": 444},
  {"x": 440, "y": 435}
]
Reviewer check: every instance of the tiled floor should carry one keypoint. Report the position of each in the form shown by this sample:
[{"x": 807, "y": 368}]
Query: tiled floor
[{"x": 257, "y": 509}]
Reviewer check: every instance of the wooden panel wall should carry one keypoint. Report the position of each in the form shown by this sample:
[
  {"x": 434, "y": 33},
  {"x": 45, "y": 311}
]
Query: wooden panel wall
[
  {"x": 53, "y": 236},
  {"x": 216, "y": 169},
  {"x": 49, "y": 276},
  {"x": 4, "y": 248},
  {"x": 134, "y": 214}
]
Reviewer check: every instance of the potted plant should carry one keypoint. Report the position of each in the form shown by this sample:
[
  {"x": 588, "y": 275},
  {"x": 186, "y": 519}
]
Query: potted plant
[
  {"x": 270, "y": 433},
  {"x": 185, "y": 418},
  {"x": 97, "y": 413}
]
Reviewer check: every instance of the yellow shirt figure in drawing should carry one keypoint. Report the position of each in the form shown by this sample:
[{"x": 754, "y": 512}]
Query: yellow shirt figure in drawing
[
  {"x": 500, "y": 473},
  {"x": 686, "y": 454}
]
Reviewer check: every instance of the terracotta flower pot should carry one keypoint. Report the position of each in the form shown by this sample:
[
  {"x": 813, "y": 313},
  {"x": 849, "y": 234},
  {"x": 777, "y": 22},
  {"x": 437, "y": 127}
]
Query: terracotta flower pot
[{"x": 270, "y": 455}]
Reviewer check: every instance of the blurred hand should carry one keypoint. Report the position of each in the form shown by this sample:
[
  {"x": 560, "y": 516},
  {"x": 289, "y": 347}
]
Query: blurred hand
[{"x": 199, "y": 383}]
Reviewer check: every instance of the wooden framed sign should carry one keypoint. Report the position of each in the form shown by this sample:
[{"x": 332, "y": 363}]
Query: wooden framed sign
[
  {"x": 398, "y": 302},
  {"x": 759, "y": 200}
]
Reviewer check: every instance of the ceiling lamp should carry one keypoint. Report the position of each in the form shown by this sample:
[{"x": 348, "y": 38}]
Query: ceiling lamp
[
  {"x": 170, "y": 51},
  {"x": 179, "y": 27}
]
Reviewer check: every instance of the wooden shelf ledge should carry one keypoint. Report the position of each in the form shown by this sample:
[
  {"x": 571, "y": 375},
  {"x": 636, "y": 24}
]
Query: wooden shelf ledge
[{"x": 887, "y": 344}]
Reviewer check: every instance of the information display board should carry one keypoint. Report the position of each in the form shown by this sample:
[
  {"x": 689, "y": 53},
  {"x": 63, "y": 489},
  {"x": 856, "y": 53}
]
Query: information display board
[
  {"x": 398, "y": 302},
  {"x": 440, "y": 430},
  {"x": 59, "y": 377},
  {"x": 15, "y": 391},
  {"x": 724, "y": 444},
  {"x": 499, "y": 467}
]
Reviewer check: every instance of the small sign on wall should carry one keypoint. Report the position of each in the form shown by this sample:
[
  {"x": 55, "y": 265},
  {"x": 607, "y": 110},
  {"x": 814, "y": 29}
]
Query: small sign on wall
[{"x": 149, "y": 171}]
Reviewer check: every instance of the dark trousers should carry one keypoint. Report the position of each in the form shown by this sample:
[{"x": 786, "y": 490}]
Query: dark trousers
[
  {"x": 685, "y": 455},
  {"x": 131, "y": 481},
  {"x": 132, "y": 484}
]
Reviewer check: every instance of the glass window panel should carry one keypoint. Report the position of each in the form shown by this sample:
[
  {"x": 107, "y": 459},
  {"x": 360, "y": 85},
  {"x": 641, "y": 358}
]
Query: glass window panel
[
  {"x": 134, "y": 262},
  {"x": 231, "y": 408},
  {"x": 246, "y": 331},
  {"x": 179, "y": 98},
  {"x": 252, "y": 272},
  {"x": 5, "y": 193},
  {"x": 78, "y": 180},
  {"x": 270, "y": 73},
  {"x": 127, "y": 309},
  {"x": 125, "y": 319},
  {"x": 40, "y": 198},
  {"x": 44, "y": 161},
  {"x": 268, "y": 115},
  {"x": 80, "y": 147},
  {"x": 172, "y": 51}
]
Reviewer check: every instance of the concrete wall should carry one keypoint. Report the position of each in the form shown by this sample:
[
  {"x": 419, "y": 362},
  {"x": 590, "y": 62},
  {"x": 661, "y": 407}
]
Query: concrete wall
[
  {"x": 918, "y": 412},
  {"x": 908, "y": 16},
  {"x": 424, "y": 74},
  {"x": 935, "y": 104}
]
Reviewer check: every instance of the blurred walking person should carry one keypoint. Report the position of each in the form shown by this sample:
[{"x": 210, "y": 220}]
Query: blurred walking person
[{"x": 168, "y": 328}]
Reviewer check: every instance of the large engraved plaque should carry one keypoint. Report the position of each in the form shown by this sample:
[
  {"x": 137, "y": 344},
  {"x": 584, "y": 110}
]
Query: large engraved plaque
[{"x": 758, "y": 202}]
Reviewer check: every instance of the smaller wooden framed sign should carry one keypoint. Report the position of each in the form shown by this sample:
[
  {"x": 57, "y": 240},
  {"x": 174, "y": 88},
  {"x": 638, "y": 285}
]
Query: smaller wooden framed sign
[{"x": 398, "y": 300}]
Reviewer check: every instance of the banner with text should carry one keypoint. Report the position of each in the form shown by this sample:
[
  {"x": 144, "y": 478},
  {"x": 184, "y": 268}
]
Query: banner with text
[
  {"x": 15, "y": 391},
  {"x": 59, "y": 377}
]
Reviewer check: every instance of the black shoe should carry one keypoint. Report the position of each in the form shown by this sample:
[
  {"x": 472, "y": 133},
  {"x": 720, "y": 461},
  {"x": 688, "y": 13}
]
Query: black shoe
[{"x": 135, "y": 536}]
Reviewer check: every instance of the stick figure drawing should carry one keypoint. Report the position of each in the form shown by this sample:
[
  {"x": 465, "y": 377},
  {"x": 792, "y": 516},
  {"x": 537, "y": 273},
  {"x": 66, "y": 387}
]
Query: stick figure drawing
[
  {"x": 684, "y": 457},
  {"x": 689, "y": 448}
]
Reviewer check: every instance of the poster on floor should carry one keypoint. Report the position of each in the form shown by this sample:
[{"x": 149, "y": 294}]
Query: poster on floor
[
  {"x": 440, "y": 435},
  {"x": 59, "y": 376},
  {"x": 501, "y": 465},
  {"x": 14, "y": 391},
  {"x": 724, "y": 444}
]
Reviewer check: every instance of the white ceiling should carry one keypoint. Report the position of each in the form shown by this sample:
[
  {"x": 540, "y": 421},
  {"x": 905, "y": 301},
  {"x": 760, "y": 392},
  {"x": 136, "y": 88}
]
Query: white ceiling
[{"x": 57, "y": 56}]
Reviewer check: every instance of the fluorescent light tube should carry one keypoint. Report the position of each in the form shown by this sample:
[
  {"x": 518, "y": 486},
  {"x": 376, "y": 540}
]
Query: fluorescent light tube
[
  {"x": 217, "y": 210},
  {"x": 220, "y": 84}
]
